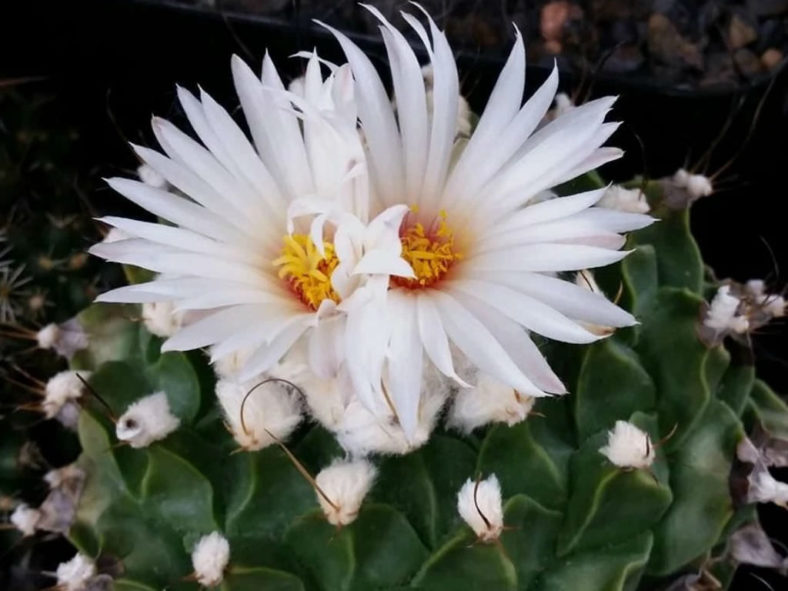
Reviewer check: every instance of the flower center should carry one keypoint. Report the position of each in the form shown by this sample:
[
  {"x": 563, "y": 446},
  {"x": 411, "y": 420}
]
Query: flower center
[
  {"x": 307, "y": 272},
  {"x": 431, "y": 253}
]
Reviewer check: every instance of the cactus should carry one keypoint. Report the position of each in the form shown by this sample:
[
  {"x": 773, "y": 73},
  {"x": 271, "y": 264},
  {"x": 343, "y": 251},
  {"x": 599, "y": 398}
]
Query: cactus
[
  {"x": 572, "y": 519},
  {"x": 645, "y": 476}
]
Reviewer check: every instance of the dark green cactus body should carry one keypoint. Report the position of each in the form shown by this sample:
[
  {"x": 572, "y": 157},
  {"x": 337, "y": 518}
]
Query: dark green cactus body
[{"x": 574, "y": 521}]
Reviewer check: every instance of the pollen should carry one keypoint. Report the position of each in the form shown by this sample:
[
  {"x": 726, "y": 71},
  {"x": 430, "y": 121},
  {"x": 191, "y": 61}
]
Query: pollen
[
  {"x": 306, "y": 270},
  {"x": 431, "y": 253}
]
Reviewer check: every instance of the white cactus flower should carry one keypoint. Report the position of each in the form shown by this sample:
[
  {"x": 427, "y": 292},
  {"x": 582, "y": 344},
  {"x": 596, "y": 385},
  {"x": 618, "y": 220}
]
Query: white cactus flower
[
  {"x": 480, "y": 506},
  {"x": 270, "y": 409},
  {"x": 628, "y": 446},
  {"x": 696, "y": 185},
  {"x": 75, "y": 574},
  {"x": 722, "y": 315},
  {"x": 384, "y": 254},
  {"x": 62, "y": 388},
  {"x": 161, "y": 319},
  {"x": 65, "y": 339},
  {"x": 345, "y": 484},
  {"x": 147, "y": 420},
  {"x": 489, "y": 401},
  {"x": 25, "y": 518},
  {"x": 623, "y": 199},
  {"x": 210, "y": 557}
]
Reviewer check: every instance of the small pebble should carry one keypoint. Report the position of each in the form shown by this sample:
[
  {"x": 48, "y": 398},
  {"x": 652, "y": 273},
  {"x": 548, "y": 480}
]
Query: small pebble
[
  {"x": 771, "y": 58},
  {"x": 747, "y": 62},
  {"x": 740, "y": 32}
]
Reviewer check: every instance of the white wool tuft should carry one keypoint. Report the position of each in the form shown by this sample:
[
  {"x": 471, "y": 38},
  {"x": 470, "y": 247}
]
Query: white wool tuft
[
  {"x": 628, "y": 447},
  {"x": 481, "y": 508},
  {"x": 62, "y": 388},
  {"x": 271, "y": 408},
  {"x": 151, "y": 177},
  {"x": 490, "y": 401},
  {"x": 771, "y": 304},
  {"x": 765, "y": 488},
  {"x": 68, "y": 415},
  {"x": 361, "y": 433},
  {"x": 25, "y": 518},
  {"x": 66, "y": 339},
  {"x": 230, "y": 366},
  {"x": 721, "y": 315},
  {"x": 623, "y": 199},
  {"x": 325, "y": 398},
  {"x": 346, "y": 484},
  {"x": 48, "y": 336},
  {"x": 756, "y": 287},
  {"x": 75, "y": 574},
  {"x": 774, "y": 305},
  {"x": 585, "y": 279},
  {"x": 59, "y": 476},
  {"x": 209, "y": 559},
  {"x": 563, "y": 103},
  {"x": 696, "y": 185},
  {"x": 147, "y": 420},
  {"x": 161, "y": 319}
]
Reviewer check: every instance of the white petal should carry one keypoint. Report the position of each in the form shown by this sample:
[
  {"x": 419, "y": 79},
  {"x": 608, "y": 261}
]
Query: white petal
[
  {"x": 214, "y": 328},
  {"x": 433, "y": 337},
  {"x": 275, "y": 131},
  {"x": 179, "y": 238},
  {"x": 446, "y": 94},
  {"x": 377, "y": 120},
  {"x": 570, "y": 299},
  {"x": 480, "y": 161},
  {"x": 526, "y": 311},
  {"x": 547, "y": 211},
  {"x": 516, "y": 341},
  {"x": 405, "y": 359},
  {"x": 174, "y": 209},
  {"x": 184, "y": 179},
  {"x": 378, "y": 262},
  {"x": 266, "y": 357},
  {"x": 411, "y": 102},
  {"x": 479, "y": 346},
  {"x": 546, "y": 257},
  {"x": 275, "y": 321}
]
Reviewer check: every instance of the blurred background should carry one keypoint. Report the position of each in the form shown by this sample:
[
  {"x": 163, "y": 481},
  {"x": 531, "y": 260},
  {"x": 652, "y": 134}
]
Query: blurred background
[{"x": 80, "y": 79}]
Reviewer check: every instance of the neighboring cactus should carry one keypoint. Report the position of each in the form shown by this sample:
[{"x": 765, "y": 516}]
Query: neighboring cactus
[{"x": 571, "y": 518}]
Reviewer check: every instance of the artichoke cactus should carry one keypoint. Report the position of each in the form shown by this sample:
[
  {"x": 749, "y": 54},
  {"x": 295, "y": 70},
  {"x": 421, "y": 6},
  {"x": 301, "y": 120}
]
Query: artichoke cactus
[{"x": 571, "y": 518}]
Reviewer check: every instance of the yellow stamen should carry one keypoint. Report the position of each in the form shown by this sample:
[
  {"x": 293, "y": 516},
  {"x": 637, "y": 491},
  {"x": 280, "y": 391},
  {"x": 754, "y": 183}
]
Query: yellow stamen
[
  {"x": 430, "y": 254},
  {"x": 306, "y": 270}
]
